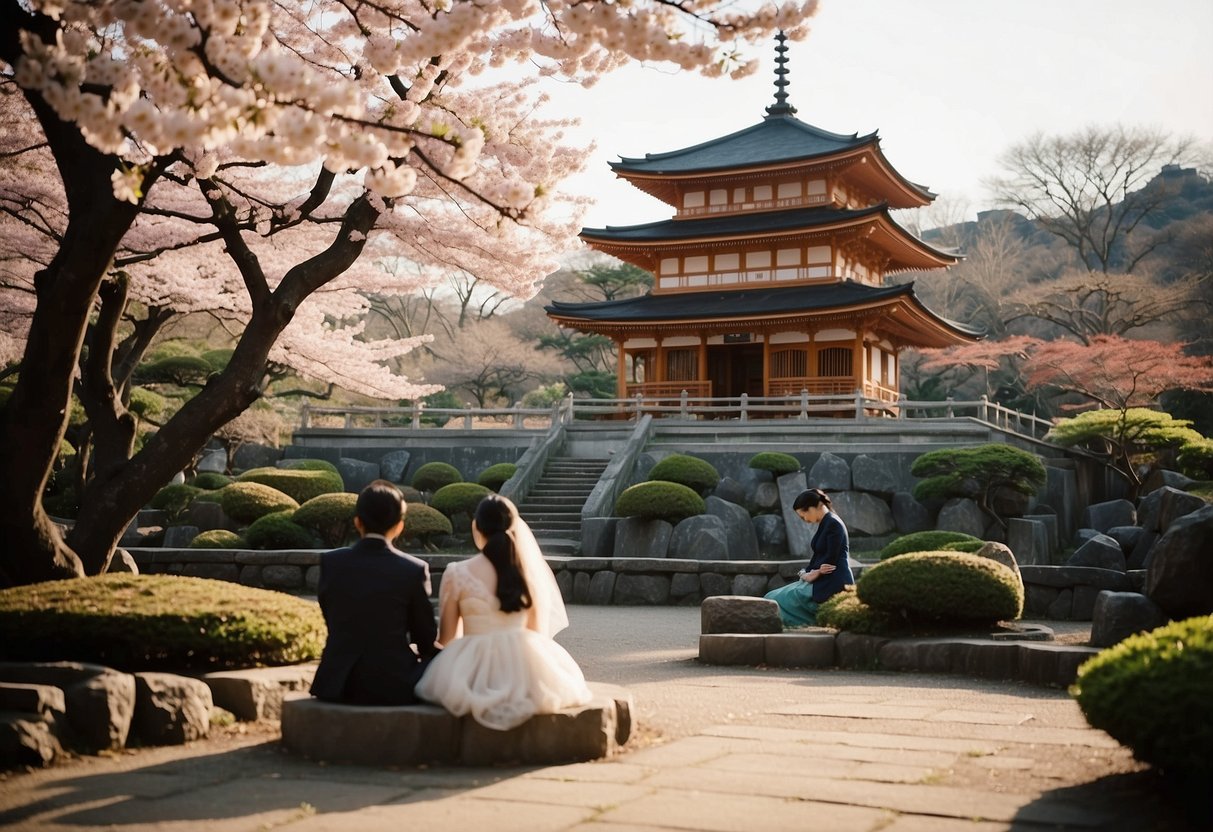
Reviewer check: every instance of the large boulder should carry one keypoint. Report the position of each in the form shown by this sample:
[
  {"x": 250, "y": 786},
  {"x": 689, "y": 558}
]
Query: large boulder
[
  {"x": 1001, "y": 553},
  {"x": 873, "y": 474},
  {"x": 741, "y": 543},
  {"x": 703, "y": 537},
  {"x": 739, "y": 614},
  {"x": 26, "y": 740},
  {"x": 638, "y": 537},
  {"x": 393, "y": 464},
  {"x": 730, "y": 490},
  {"x": 1028, "y": 538},
  {"x": 642, "y": 590},
  {"x": 1177, "y": 504},
  {"x": 1119, "y": 615},
  {"x": 909, "y": 515},
  {"x": 960, "y": 514},
  {"x": 356, "y": 473},
  {"x": 170, "y": 709},
  {"x": 1101, "y": 551},
  {"x": 250, "y": 455},
  {"x": 179, "y": 537},
  {"x": 1180, "y": 574},
  {"x": 800, "y": 534},
  {"x": 830, "y": 473},
  {"x": 214, "y": 462},
  {"x": 763, "y": 497},
  {"x": 1103, "y": 516},
  {"x": 864, "y": 514},
  {"x": 1159, "y": 477},
  {"x": 99, "y": 701},
  {"x": 1127, "y": 537},
  {"x": 771, "y": 535}
]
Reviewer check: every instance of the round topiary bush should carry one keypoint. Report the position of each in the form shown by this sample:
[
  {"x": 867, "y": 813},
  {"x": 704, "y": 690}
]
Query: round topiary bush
[
  {"x": 943, "y": 586},
  {"x": 659, "y": 500},
  {"x": 308, "y": 465},
  {"x": 330, "y": 516},
  {"x": 691, "y": 471},
  {"x": 930, "y": 541},
  {"x": 174, "y": 499},
  {"x": 1149, "y": 691},
  {"x": 434, "y": 475},
  {"x": 245, "y": 502},
  {"x": 778, "y": 464},
  {"x": 846, "y": 612},
  {"x": 218, "y": 539},
  {"x": 422, "y": 523},
  {"x": 300, "y": 484},
  {"x": 215, "y": 496},
  {"x": 458, "y": 498},
  {"x": 211, "y": 481},
  {"x": 158, "y": 622},
  {"x": 970, "y": 546},
  {"x": 279, "y": 531},
  {"x": 495, "y": 476}
]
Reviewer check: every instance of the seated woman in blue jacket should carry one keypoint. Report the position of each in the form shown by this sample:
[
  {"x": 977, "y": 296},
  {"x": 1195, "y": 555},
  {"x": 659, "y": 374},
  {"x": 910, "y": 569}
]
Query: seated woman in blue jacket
[{"x": 829, "y": 568}]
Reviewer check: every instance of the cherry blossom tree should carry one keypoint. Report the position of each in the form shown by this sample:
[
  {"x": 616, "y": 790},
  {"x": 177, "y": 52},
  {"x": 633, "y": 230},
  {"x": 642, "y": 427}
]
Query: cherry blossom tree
[{"x": 294, "y": 140}]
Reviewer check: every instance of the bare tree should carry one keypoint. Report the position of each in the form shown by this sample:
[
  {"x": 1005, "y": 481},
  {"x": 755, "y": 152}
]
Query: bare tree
[{"x": 1088, "y": 188}]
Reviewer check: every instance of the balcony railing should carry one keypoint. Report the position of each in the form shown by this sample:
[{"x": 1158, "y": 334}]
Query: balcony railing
[{"x": 754, "y": 205}]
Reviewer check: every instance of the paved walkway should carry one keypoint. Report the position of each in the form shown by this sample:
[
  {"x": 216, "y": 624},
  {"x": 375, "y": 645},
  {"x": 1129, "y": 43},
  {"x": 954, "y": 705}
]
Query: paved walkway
[{"x": 728, "y": 749}]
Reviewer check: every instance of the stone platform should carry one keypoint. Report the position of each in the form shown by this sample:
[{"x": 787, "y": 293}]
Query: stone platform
[{"x": 424, "y": 734}]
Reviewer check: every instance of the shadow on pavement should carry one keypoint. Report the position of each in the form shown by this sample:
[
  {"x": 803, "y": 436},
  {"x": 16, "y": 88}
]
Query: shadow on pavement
[{"x": 1140, "y": 800}]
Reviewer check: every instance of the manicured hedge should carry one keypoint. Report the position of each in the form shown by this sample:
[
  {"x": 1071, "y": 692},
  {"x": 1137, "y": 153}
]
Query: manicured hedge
[
  {"x": 846, "y": 612},
  {"x": 245, "y": 502},
  {"x": 495, "y": 476},
  {"x": 300, "y": 484},
  {"x": 775, "y": 462},
  {"x": 218, "y": 539},
  {"x": 928, "y": 541},
  {"x": 434, "y": 475},
  {"x": 157, "y": 622},
  {"x": 659, "y": 500},
  {"x": 308, "y": 465},
  {"x": 696, "y": 474},
  {"x": 279, "y": 531},
  {"x": 211, "y": 481},
  {"x": 330, "y": 516},
  {"x": 943, "y": 586},
  {"x": 459, "y": 498},
  {"x": 422, "y": 522},
  {"x": 1153, "y": 692},
  {"x": 174, "y": 499}
]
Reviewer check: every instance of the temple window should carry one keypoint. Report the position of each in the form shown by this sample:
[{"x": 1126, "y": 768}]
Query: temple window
[
  {"x": 696, "y": 264},
  {"x": 719, "y": 196},
  {"x": 693, "y": 199},
  {"x": 789, "y": 190},
  {"x": 681, "y": 364},
  {"x": 763, "y": 193},
  {"x": 834, "y": 361}
]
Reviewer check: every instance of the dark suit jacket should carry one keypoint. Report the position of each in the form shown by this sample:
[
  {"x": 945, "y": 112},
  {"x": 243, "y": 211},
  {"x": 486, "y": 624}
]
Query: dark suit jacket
[
  {"x": 375, "y": 601},
  {"x": 831, "y": 544}
]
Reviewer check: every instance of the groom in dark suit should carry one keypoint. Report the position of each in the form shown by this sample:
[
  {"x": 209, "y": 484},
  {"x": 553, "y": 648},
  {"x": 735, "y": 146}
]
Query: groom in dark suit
[{"x": 375, "y": 601}]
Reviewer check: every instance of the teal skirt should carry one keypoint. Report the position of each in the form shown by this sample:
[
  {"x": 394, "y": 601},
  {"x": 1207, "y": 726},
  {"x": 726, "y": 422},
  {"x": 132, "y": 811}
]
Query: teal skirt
[{"x": 796, "y": 605}]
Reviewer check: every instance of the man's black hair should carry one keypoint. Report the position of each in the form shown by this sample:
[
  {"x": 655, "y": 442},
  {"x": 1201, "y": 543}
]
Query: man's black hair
[{"x": 380, "y": 506}]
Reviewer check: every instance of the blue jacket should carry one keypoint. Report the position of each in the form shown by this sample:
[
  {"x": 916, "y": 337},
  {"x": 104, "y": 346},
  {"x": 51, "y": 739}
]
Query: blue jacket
[{"x": 831, "y": 544}]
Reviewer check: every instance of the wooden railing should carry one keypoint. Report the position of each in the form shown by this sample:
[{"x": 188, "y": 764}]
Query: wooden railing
[
  {"x": 680, "y": 403},
  {"x": 660, "y": 391}
]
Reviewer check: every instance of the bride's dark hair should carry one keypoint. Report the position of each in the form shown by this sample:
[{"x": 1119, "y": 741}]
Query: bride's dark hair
[{"x": 494, "y": 517}]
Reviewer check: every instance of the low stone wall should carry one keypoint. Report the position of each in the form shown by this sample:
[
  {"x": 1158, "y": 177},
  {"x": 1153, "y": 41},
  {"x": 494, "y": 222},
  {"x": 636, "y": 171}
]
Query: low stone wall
[{"x": 1058, "y": 593}]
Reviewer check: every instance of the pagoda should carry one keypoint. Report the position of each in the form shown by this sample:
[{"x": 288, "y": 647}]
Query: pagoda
[{"x": 770, "y": 277}]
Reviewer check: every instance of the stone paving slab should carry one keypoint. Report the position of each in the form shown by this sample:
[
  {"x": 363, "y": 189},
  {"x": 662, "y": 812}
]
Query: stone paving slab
[
  {"x": 449, "y": 815},
  {"x": 759, "y": 762},
  {"x": 700, "y": 811},
  {"x": 857, "y": 738}
]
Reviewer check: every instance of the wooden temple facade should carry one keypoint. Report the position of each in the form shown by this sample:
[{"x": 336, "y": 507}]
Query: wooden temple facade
[{"x": 770, "y": 277}]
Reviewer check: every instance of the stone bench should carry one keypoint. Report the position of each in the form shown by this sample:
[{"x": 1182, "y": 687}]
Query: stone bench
[{"x": 423, "y": 734}]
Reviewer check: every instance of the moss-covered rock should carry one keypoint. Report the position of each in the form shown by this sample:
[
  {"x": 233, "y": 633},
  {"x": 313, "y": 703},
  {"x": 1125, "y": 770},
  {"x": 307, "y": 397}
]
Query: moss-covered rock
[
  {"x": 696, "y": 474},
  {"x": 659, "y": 500},
  {"x": 279, "y": 531},
  {"x": 928, "y": 541},
  {"x": 1152, "y": 692},
  {"x": 495, "y": 476},
  {"x": 218, "y": 539},
  {"x": 434, "y": 475},
  {"x": 211, "y": 481},
  {"x": 459, "y": 498},
  {"x": 423, "y": 523},
  {"x": 174, "y": 499},
  {"x": 330, "y": 516},
  {"x": 943, "y": 586},
  {"x": 157, "y": 622},
  {"x": 846, "y": 612},
  {"x": 245, "y": 502},
  {"x": 301, "y": 484},
  {"x": 778, "y": 464}
]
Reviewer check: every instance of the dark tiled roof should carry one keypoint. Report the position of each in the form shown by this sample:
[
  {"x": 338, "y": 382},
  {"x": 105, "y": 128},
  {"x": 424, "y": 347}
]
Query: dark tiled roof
[
  {"x": 742, "y": 302},
  {"x": 774, "y": 139},
  {"x": 734, "y": 224}
]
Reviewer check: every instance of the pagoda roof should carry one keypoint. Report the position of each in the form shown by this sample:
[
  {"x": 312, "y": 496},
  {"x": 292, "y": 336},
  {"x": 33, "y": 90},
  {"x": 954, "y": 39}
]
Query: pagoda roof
[
  {"x": 639, "y": 244},
  {"x": 778, "y": 141},
  {"x": 899, "y": 307}
]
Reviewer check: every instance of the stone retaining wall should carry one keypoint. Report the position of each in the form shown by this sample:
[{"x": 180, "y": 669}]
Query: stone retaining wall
[{"x": 1058, "y": 593}]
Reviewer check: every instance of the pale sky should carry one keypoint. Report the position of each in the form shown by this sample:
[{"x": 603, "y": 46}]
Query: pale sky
[{"x": 949, "y": 85}]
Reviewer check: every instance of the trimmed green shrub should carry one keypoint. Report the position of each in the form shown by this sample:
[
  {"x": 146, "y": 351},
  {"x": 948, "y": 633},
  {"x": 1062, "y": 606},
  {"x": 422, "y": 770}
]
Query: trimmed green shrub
[
  {"x": 495, "y": 476},
  {"x": 846, "y": 612},
  {"x": 308, "y": 465},
  {"x": 945, "y": 586},
  {"x": 218, "y": 539},
  {"x": 434, "y": 475},
  {"x": 179, "y": 370},
  {"x": 157, "y": 622},
  {"x": 659, "y": 500},
  {"x": 146, "y": 404},
  {"x": 1152, "y": 693},
  {"x": 330, "y": 516},
  {"x": 211, "y": 481},
  {"x": 970, "y": 546},
  {"x": 301, "y": 484},
  {"x": 459, "y": 498},
  {"x": 1196, "y": 459},
  {"x": 422, "y": 522},
  {"x": 929, "y": 541},
  {"x": 696, "y": 474},
  {"x": 245, "y": 502},
  {"x": 978, "y": 473},
  {"x": 174, "y": 499},
  {"x": 215, "y": 496},
  {"x": 778, "y": 464},
  {"x": 279, "y": 531}
]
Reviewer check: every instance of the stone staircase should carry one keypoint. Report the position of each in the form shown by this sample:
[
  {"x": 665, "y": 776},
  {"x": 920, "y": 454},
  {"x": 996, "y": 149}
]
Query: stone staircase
[{"x": 553, "y": 506}]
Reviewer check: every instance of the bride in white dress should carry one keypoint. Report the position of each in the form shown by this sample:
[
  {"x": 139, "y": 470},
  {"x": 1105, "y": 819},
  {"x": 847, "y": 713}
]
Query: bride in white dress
[{"x": 505, "y": 668}]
